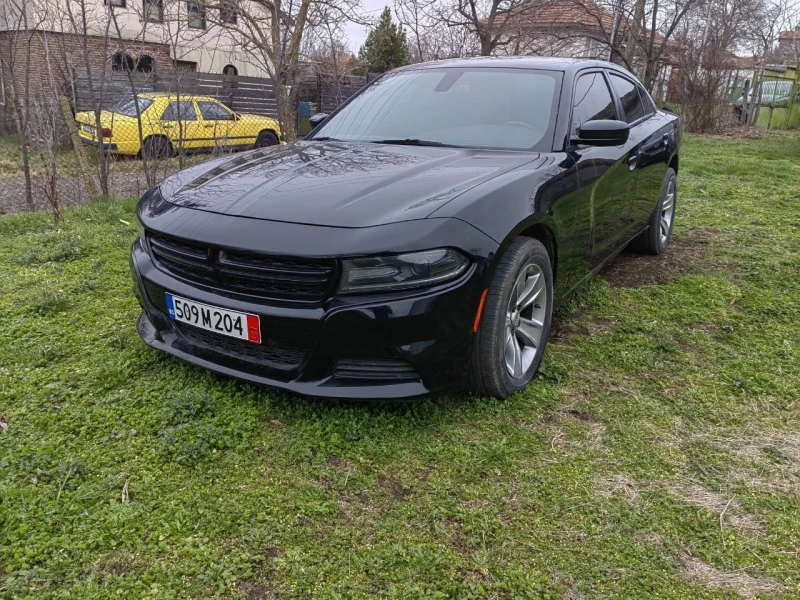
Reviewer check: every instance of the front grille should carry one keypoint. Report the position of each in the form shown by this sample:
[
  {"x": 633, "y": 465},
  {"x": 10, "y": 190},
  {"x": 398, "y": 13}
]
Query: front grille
[
  {"x": 374, "y": 370},
  {"x": 266, "y": 354},
  {"x": 244, "y": 272}
]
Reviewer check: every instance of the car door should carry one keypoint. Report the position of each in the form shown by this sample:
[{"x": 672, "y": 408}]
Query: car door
[
  {"x": 179, "y": 122},
  {"x": 218, "y": 123},
  {"x": 654, "y": 135},
  {"x": 614, "y": 181}
]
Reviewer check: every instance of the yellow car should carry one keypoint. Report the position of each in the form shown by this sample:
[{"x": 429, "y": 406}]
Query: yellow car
[{"x": 173, "y": 124}]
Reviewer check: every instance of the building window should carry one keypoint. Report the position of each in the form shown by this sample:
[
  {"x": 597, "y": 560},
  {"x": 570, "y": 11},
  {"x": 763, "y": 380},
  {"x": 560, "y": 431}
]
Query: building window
[
  {"x": 121, "y": 62},
  {"x": 145, "y": 64},
  {"x": 228, "y": 13},
  {"x": 197, "y": 14},
  {"x": 230, "y": 70},
  {"x": 154, "y": 10},
  {"x": 186, "y": 66},
  {"x": 115, "y": 3}
]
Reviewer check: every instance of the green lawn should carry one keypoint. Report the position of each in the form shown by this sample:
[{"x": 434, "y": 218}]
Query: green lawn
[{"x": 656, "y": 456}]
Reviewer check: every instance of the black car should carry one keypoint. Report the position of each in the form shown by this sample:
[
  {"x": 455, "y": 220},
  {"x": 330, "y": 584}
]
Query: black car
[{"x": 418, "y": 239}]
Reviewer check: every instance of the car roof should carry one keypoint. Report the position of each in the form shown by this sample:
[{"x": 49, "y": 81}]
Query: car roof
[
  {"x": 545, "y": 63},
  {"x": 171, "y": 96}
]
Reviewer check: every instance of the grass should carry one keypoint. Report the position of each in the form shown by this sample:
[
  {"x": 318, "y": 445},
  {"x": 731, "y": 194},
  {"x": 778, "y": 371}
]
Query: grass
[{"x": 656, "y": 456}]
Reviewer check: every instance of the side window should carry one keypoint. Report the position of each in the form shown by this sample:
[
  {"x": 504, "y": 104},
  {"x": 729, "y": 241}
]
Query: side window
[
  {"x": 179, "y": 111},
  {"x": 212, "y": 111},
  {"x": 629, "y": 98},
  {"x": 649, "y": 105},
  {"x": 592, "y": 100}
]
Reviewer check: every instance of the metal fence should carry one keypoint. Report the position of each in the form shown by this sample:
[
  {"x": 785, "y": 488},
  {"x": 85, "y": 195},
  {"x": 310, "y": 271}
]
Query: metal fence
[
  {"x": 120, "y": 132},
  {"x": 773, "y": 102}
]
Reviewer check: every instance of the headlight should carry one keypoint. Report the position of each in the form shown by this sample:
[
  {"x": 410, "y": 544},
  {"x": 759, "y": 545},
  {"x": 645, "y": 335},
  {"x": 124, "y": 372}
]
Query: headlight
[
  {"x": 400, "y": 272},
  {"x": 139, "y": 227}
]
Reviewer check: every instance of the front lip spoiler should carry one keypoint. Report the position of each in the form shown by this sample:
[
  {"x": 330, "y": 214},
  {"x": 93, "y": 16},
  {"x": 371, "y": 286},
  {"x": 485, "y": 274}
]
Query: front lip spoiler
[{"x": 326, "y": 388}]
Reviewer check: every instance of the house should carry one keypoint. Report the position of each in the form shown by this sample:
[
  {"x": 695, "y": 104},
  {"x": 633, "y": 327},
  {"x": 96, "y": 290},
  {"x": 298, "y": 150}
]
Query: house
[
  {"x": 576, "y": 29},
  {"x": 45, "y": 43},
  {"x": 788, "y": 51}
]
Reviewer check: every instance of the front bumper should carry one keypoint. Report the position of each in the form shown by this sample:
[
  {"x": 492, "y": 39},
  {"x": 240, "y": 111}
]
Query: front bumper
[{"x": 410, "y": 345}]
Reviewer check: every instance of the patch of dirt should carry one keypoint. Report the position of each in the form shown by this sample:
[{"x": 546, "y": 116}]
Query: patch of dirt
[
  {"x": 566, "y": 415},
  {"x": 396, "y": 489},
  {"x": 630, "y": 270},
  {"x": 727, "y": 507},
  {"x": 255, "y": 591},
  {"x": 115, "y": 563},
  {"x": 618, "y": 484},
  {"x": 696, "y": 571},
  {"x": 457, "y": 536},
  {"x": 561, "y": 329},
  {"x": 338, "y": 463}
]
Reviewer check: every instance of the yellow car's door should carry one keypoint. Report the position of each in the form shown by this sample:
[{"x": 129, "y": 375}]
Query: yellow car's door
[
  {"x": 180, "y": 124},
  {"x": 219, "y": 123}
]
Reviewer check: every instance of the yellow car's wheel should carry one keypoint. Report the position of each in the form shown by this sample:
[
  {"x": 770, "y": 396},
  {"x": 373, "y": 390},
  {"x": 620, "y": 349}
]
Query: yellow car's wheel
[
  {"x": 157, "y": 147},
  {"x": 266, "y": 138}
]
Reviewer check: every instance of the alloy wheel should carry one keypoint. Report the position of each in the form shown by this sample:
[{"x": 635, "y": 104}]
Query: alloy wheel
[
  {"x": 667, "y": 212},
  {"x": 525, "y": 317}
]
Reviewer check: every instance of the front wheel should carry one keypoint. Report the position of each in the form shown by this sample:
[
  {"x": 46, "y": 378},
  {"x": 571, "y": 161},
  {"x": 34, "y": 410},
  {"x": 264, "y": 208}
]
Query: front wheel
[
  {"x": 266, "y": 138},
  {"x": 515, "y": 322}
]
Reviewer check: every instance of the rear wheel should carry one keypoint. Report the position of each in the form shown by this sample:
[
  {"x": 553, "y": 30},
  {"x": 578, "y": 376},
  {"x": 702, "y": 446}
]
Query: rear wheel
[
  {"x": 515, "y": 323},
  {"x": 655, "y": 239},
  {"x": 266, "y": 138},
  {"x": 157, "y": 148}
]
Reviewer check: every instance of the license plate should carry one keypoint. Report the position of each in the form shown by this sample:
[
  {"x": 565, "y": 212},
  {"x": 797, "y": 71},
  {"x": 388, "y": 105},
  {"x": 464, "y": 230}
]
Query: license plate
[
  {"x": 211, "y": 318},
  {"x": 88, "y": 128}
]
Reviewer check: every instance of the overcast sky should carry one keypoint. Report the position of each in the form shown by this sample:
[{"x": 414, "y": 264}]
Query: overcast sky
[{"x": 356, "y": 34}]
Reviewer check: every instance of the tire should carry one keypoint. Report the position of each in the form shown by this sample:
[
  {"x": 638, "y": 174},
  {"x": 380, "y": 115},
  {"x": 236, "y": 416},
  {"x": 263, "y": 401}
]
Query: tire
[
  {"x": 655, "y": 239},
  {"x": 157, "y": 148},
  {"x": 494, "y": 363},
  {"x": 266, "y": 138}
]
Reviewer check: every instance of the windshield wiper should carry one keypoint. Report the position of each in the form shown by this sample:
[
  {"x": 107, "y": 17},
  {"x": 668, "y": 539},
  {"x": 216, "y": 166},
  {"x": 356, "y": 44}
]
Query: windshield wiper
[
  {"x": 323, "y": 139},
  {"x": 412, "y": 142}
]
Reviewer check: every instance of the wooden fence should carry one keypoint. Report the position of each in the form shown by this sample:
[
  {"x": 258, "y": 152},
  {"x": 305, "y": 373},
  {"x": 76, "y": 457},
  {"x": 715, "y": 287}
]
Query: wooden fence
[
  {"x": 254, "y": 95},
  {"x": 328, "y": 92}
]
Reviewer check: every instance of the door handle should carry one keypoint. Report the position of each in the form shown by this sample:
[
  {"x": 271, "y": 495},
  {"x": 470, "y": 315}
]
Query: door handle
[
  {"x": 167, "y": 125},
  {"x": 208, "y": 125}
]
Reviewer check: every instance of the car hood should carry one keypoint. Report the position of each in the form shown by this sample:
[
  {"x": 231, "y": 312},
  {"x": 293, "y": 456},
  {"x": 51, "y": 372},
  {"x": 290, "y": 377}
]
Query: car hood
[{"x": 337, "y": 184}]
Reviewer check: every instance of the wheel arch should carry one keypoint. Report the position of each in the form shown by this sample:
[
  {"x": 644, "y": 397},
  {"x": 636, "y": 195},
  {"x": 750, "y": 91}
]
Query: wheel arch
[
  {"x": 538, "y": 228},
  {"x": 673, "y": 163},
  {"x": 147, "y": 138}
]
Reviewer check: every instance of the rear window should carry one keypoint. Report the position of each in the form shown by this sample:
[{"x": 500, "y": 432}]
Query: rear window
[
  {"x": 128, "y": 107},
  {"x": 471, "y": 107}
]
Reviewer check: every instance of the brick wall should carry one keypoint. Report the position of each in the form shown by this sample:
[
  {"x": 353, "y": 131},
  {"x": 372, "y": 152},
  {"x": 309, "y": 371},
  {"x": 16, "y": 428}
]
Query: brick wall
[{"x": 52, "y": 58}]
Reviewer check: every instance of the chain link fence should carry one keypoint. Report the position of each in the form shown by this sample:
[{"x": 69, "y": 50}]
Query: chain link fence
[{"x": 118, "y": 133}]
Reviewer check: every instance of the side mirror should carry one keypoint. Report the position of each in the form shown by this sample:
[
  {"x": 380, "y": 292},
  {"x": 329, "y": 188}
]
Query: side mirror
[
  {"x": 603, "y": 133},
  {"x": 318, "y": 119}
]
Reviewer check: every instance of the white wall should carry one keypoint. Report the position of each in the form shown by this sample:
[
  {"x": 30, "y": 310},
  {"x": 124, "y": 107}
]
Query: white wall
[{"x": 212, "y": 48}]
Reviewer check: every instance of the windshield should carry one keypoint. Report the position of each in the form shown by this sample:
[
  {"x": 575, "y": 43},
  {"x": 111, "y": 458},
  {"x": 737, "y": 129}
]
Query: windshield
[
  {"x": 128, "y": 107},
  {"x": 483, "y": 108}
]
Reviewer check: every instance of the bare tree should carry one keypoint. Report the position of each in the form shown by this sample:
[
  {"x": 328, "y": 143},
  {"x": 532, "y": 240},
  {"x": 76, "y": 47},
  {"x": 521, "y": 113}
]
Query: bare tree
[
  {"x": 429, "y": 38},
  {"x": 22, "y": 21},
  {"x": 273, "y": 34},
  {"x": 488, "y": 20},
  {"x": 708, "y": 38}
]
